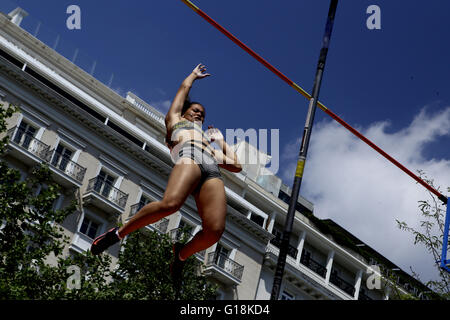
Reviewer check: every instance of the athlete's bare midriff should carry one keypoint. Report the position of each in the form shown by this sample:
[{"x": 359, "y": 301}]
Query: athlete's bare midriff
[{"x": 179, "y": 137}]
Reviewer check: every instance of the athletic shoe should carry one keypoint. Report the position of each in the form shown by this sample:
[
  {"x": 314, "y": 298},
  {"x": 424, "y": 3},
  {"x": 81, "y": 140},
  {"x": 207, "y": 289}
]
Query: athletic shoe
[
  {"x": 103, "y": 242},
  {"x": 176, "y": 267}
]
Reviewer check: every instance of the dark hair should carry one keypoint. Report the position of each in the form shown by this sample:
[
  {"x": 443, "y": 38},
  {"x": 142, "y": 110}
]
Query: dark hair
[{"x": 187, "y": 104}]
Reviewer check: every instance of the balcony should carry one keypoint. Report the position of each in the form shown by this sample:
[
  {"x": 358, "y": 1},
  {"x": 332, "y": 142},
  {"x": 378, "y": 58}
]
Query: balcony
[
  {"x": 26, "y": 147},
  {"x": 81, "y": 243},
  {"x": 106, "y": 197},
  {"x": 271, "y": 258},
  {"x": 180, "y": 234},
  {"x": 313, "y": 265},
  {"x": 308, "y": 275},
  {"x": 159, "y": 226},
  {"x": 67, "y": 172},
  {"x": 135, "y": 208},
  {"x": 184, "y": 235},
  {"x": 342, "y": 284},
  {"x": 223, "y": 268},
  {"x": 292, "y": 251}
]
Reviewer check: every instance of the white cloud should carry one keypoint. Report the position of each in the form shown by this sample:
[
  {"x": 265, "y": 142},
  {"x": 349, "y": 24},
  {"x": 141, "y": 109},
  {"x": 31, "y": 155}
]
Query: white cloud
[{"x": 353, "y": 185}]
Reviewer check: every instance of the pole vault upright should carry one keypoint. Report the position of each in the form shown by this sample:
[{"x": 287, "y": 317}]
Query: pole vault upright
[{"x": 303, "y": 153}]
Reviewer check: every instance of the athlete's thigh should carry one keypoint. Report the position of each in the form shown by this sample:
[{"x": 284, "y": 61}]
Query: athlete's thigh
[
  {"x": 182, "y": 181},
  {"x": 211, "y": 203}
]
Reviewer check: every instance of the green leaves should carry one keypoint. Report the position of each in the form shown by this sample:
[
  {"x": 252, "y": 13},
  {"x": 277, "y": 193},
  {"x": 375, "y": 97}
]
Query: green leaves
[
  {"x": 5, "y": 113},
  {"x": 429, "y": 234},
  {"x": 143, "y": 271}
]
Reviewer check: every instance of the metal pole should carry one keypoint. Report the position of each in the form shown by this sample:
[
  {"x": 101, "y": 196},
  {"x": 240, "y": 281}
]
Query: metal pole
[
  {"x": 444, "y": 261},
  {"x": 308, "y": 96},
  {"x": 303, "y": 153}
]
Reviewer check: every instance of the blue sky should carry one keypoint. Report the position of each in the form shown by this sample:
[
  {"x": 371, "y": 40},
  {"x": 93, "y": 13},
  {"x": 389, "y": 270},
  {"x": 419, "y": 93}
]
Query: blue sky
[{"x": 392, "y": 84}]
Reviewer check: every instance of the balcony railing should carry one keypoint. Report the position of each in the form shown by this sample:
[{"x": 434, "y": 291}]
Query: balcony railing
[
  {"x": 292, "y": 251},
  {"x": 160, "y": 225},
  {"x": 313, "y": 265},
  {"x": 180, "y": 234},
  {"x": 66, "y": 165},
  {"x": 140, "y": 104},
  {"x": 135, "y": 208},
  {"x": 226, "y": 264},
  {"x": 107, "y": 191},
  {"x": 26, "y": 141},
  {"x": 342, "y": 284}
]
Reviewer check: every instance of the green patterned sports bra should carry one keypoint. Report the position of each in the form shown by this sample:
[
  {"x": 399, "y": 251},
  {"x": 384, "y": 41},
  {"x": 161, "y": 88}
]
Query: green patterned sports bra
[{"x": 188, "y": 125}]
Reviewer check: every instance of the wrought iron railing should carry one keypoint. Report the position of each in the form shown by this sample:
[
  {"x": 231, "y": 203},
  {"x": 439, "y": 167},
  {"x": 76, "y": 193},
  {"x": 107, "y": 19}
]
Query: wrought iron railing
[
  {"x": 342, "y": 284},
  {"x": 292, "y": 251},
  {"x": 66, "y": 165},
  {"x": 136, "y": 101},
  {"x": 313, "y": 265},
  {"x": 28, "y": 142},
  {"x": 223, "y": 262},
  {"x": 107, "y": 191},
  {"x": 160, "y": 225},
  {"x": 180, "y": 234},
  {"x": 135, "y": 208}
]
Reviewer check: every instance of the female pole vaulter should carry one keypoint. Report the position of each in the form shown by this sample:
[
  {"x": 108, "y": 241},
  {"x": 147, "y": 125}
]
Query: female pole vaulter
[{"x": 196, "y": 172}]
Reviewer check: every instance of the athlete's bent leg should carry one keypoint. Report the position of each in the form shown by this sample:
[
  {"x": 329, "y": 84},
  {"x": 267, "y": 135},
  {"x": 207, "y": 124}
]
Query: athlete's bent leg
[
  {"x": 182, "y": 181},
  {"x": 211, "y": 204}
]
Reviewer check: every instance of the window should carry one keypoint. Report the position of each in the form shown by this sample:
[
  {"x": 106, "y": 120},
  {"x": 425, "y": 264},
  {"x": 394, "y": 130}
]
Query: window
[
  {"x": 184, "y": 225},
  {"x": 104, "y": 183},
  {"x": 257, "y": 219},
  {"x": 221, "y": 255},
  {"x": 184, "y": 230},
  {"x": 61, "y": 157},
  {"x": 24, "y": 134},
  {"x": 89, "y": 227},
  {"x": 222, "y": 250},
  {"x": 276, "y": 241},
  {"x": 306, "y": 256},
  {"x": 277, "y": 233},
  {"x": 143, "y": 201}
]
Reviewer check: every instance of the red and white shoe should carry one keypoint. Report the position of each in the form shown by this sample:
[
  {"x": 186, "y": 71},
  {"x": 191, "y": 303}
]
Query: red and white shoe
[{"x": 104, "y": 241}]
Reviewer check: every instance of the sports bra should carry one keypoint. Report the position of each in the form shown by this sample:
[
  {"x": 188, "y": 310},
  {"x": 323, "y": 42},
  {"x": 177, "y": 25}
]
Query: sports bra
[{"x": 188, "y": 125}]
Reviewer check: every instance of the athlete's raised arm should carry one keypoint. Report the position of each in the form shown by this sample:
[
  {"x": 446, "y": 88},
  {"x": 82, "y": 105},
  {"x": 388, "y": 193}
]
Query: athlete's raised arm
[{"x": 174, "y": 113}]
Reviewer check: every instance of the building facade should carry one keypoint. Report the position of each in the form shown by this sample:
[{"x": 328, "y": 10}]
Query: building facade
[{"x": 108, "y": 154}]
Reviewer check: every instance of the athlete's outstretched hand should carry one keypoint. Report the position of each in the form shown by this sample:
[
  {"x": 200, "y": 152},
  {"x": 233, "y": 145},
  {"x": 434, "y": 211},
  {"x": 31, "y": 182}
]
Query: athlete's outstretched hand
[
  {"x": 214, "y": 134},
  {"x": 200, "y": 71}
]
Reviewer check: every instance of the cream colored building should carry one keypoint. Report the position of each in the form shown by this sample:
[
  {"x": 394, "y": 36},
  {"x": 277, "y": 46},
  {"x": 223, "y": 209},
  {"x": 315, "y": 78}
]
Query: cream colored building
[{"x": 108, "y": 153}]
